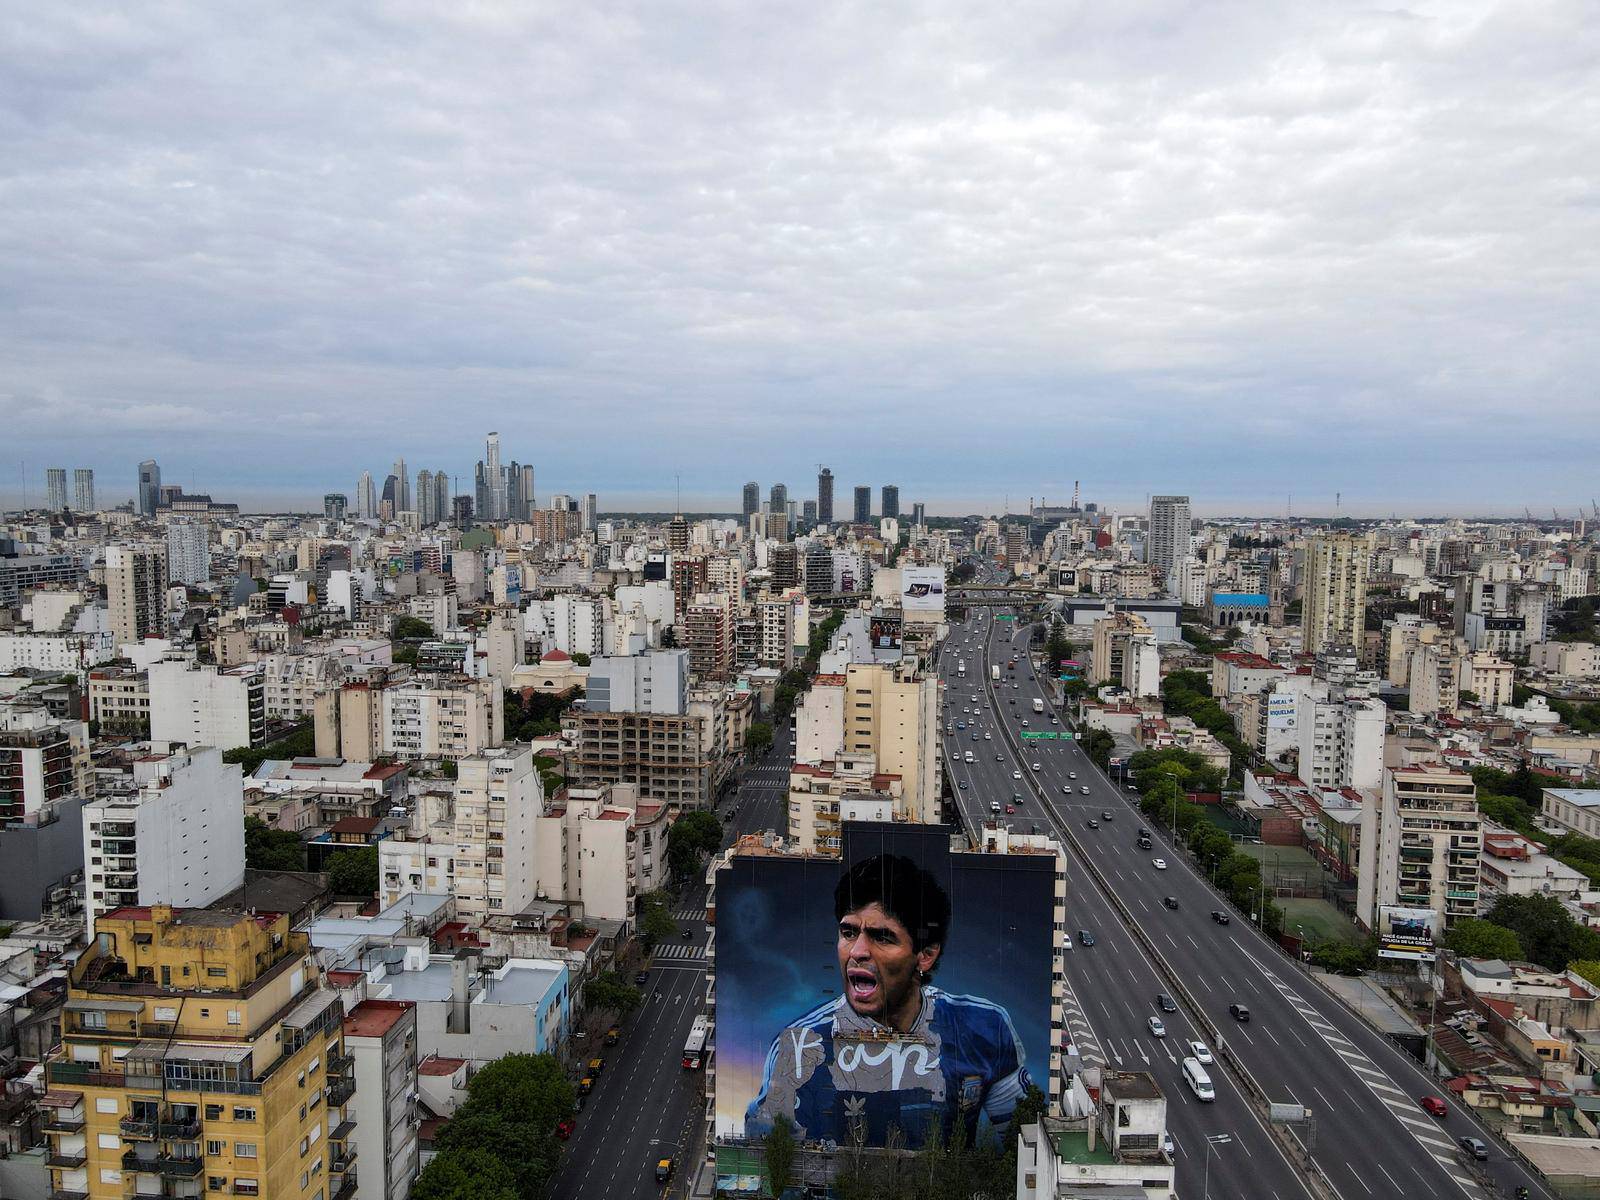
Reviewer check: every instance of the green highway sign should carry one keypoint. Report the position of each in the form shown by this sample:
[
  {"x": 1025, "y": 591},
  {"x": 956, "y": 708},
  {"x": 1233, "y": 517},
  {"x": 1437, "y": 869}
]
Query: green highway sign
[
  {"x": 1043, "y": 735},
  {"x": 1004, "y": 617}
]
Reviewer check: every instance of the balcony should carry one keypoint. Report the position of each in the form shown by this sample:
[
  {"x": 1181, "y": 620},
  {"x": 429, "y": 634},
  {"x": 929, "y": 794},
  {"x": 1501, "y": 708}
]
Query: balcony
[
  {"x": 66, "y": 1162},
  {"x": 63, "y": 1194},
  {"x": 63, "y": 1122},
  {"x": 342, "y": 1131},
  {"x": 83, "y": 1073},
  {"x": 1416, "y": 853},
  {"x": 340, "y": 1091},
  {"x": 346, "y": 1189},
  {"x": 168, "y": 1165},
  {"x": 342, "y": 1162}
]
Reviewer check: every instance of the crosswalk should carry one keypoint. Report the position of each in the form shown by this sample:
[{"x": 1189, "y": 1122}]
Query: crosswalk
[
  {"x": 1079, "y": 1029},
  {"x": 1401, "y": 1106},
  {"x": 689, "y": 914},
  {"x": 691, "y": 951}
]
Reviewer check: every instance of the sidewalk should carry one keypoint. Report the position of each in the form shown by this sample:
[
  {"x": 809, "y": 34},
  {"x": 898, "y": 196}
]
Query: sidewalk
[{"x": 1370, "y": 1001}]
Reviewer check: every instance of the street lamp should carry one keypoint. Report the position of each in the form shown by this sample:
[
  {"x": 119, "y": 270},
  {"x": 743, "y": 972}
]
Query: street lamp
[{"x": 1213, "y": 1140}]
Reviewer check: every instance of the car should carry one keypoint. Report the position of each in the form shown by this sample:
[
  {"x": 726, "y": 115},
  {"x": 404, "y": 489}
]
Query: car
[
  {"x": 1106, "y": 815},
  {"x": 1011, "y": 810},
  {"x": 1066, "y": 789},
  {"x": 988, "y": 737},
  {"x": 1092, "y": 823},
  {"x": 596, "y": 1066},
  {"x": 1053, "y": 720},
  {"x": 1220, "y": 917},
  {"x": 1016, "y": 774},
  {"x": 1036, "y": 766},
  {"x": 1165, "y": 1002},
  {"x": 1434, "y": 1106},
  {"x": 1475, "y": 1147},
  {"x": 1066, "y": 941},
  {"x": 1157, "y": 1026},
  {"x": 1072, "y": 774},
  {"x": 961, "y": 725},
  {"x": 1239, "y": 1012},
  {"x": 1085, "y": 938},
  {"x": 1024, "y": 722},
  {"x": 1201, "y": 1053},
  {"x": 1011, "y": 699},
  {"x": 1159, "y": 864},
  {"x": 565, "y": 1127},
  {"x": 974, "y": 735},
  {"x": 994, "y": 807},
  {"x": 640, "y": 977},
  {"x": 962, "y": 785},
  {"x": 999, "y": 758},
  {"x": 1170, "y": 902},
  {"x": 585, "y": 1085},
  {"x": 613, "y": 1035},
  {"x": 1084, "y": 790},
  {"x": 1168, "y": 1145},
  {"x": 663, "y": 1170},
  {"x": 1144, "y": 842}
]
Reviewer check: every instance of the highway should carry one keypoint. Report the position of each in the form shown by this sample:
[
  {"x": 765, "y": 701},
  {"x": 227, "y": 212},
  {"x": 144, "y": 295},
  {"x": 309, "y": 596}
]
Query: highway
[{"x": 1370, "y": 1137}]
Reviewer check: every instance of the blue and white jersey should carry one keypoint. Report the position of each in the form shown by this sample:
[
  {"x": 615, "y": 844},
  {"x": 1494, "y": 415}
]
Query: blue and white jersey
[{"x": 839, "y": 1075}]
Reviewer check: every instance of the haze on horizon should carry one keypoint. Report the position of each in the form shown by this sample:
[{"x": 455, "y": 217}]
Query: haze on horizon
[{"x": 1203, "y": 248}]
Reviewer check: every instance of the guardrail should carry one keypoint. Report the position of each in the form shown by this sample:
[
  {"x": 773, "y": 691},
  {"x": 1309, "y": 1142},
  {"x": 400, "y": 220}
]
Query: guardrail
[{"x": 1294, "y": 1150}]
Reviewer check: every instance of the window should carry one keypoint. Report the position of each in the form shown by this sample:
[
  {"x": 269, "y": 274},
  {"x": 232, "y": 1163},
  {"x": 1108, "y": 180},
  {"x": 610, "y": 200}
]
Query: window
[
  {"x": 245, "y": 1149},
  {"x": 92, "y": 1020},
  {"x": 213, "y": 1112},
  {"x": 234, "y": 1016},
  {"x": 217, "y": 972},
  {"x": 215, "y": 1147},
  {"x": 305, "y": 1146},
  {"x": 106, "y": 1104},
  {"x": 244, "y": 1114},
  {"x": 109, "y": 1141}
]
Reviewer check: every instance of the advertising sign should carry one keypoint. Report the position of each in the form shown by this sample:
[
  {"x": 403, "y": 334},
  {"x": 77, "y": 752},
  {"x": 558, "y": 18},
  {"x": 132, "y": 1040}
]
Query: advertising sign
[
  {"x": 922, "y": 589},
  {"x": 885, "y": 631},
  {"x": 1407, "y": 933},
  {"x": 878, "y": 996}
]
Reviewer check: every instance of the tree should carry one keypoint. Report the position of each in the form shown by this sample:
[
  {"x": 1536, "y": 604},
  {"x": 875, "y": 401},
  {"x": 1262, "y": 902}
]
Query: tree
[
  {"x": 607, "y": 993},
  {"x": 1589, "y": 968},
  {"x": 778, "y": 1150},
  {"x": 526, "y": 1144},
  {"x": 1548, "y": 935},
  {"x": 1343, "y": 958},
  {"x": 411, "y": 627},
  {"x": 267, "y": 849},
  {"x": 1468, "y": 696},
  {"x": 354, "y": 872},
  {"x": 580, "y": 659},
  {"x": 656, "y": 923},
  {"x": 1098, "y": 745},
  {"x": 1477, "y": 938},
  {"x": 758, "y": 738},
  {"x": 693, "y": 834},
  {"x": 466, "y": 1174}
]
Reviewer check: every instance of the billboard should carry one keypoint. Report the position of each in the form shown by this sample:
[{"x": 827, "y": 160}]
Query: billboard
[
  {"x": 873, "y": 997},
  {"x": 922, "y": 589},
  {"x": 1407, "y": 933},
  {"x": 885, "y": 631}
]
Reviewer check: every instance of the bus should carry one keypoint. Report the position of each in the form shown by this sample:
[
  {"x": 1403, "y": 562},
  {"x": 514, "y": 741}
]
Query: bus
[
  {"x": 694, "y": 1050},
  {"x": 1038, "y": 705},
  {"x": 994, "y": 674}
]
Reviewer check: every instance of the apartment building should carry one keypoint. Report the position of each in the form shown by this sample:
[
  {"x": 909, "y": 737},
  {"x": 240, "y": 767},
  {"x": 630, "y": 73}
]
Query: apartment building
[
  {"x": 1421, "y": 842},
  {"x": 777, "y": 633},
  {"x": 194, "y": 704},
  {"x": 440, "y": 717},
  {"x": 498, "y": 797},
  {"x": 1334, "y": 604},
  {"x": 136, "y": 584},
  {"x": 1114, "y": 638},
  {"x": 822, "y": 795},
  {"x": 663, "y": 754},
  {"x": 173, "y": 833},
  {"x": 893, "y": 715},
  {"x": 41, "y": 760},
  {"x": 706, "y": 631},
  {"x": 600, "y": 848},
  {"x": 201, "y": 1055},
  {"x": 1340, "y": 741},
  {"x": 119, "y": 699},
  {"x": 380, "y": 1037}
]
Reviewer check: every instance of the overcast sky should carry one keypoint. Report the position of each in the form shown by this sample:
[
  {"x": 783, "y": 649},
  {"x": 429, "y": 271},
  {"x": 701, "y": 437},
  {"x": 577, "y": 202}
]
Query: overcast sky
[{"x": 1237, "y": 250}]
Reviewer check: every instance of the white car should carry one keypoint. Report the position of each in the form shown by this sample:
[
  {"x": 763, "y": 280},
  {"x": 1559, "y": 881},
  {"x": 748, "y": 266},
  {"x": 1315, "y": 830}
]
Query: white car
[
  {"x": 1201, "y": 1053},
  {"x": 1072, "y": 774},
  {"x": 1169, "y": 1145},
  {"x": 1035, "y": 766},
  {"x": 1066, "y": 941},
  {"x": 1016, "y": 774},
  {"x": 1160, "y": 864},
  {"x": 1084, "y": 790},
  {"x": 1157, "y": 1028},
  {"x": 988, "y": 737}
]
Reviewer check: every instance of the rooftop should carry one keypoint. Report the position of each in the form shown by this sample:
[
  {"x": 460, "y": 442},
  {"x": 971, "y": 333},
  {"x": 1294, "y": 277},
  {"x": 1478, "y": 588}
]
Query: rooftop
[
  {"x": 1072, "y": 1146},
  {"x": 374, "y": 1018}
]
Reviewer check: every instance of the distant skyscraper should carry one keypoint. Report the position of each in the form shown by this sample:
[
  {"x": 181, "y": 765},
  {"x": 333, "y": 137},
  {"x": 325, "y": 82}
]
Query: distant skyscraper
[
  {"x": 524, "y": 485},
  {"x": 752, "y": 498},
  {"x": 516, "y": 510},
  {"x": 808, "y": 512},
  {"x": 149, "y": 487},
  {"x": 366, "y": 496},
  {"x": 919, "y": 513},
  {"x": 461, "y": 511},
  {"x": 825, "y": 496},
  {"x": 778, "y": 500},
  {"x": 334, "y": 505},
  {"x": 83, "y": 490},
  {"x": 441, "y": 497},
  {"x": 481, "y": 504},
  {"x": 678, "y": 534},
  {"x": 55, "y": 488},
  {"x": 402, "y": 496},
  {"x": 591, "y": 512},
  {"x": 1169, "y": 537},
  {"x": 495, "y": 480},
  {"x": 891, "y": 501},
  {"x": 390, "y": 502},
  {"x": 426, "y": 513},
  {"x": 863, "y": 505}
]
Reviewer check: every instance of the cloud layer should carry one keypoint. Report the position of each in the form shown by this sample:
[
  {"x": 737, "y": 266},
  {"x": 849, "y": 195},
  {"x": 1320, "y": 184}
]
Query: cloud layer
[{"x": 974, "y": 249}]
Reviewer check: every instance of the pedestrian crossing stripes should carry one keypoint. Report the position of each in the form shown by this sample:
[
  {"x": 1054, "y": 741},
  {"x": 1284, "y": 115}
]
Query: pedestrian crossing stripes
[
  {"x": 1079, "y": 1032},
  {"x": 688, "y": 950},
  {"x": 689, "y": 914},
  {"x": 1399, "y": 1105}
]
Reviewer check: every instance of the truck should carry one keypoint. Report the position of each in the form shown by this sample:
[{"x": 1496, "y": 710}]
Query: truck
[
  {"x": 994, "y": 674},
  {"x": 1038, "y": 705},
  {"x": 694, "y": 1049}
]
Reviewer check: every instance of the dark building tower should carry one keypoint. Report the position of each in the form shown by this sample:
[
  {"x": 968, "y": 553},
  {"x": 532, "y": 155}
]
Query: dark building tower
[
  {"x": 461, "y": 512},
  {"x": 919, "y": 513},
  {"x": 863, "y": 505},
  {"x": 752, "y": 498},
  {"x": 334, "y": 505},
  {"x": 891, "y": 500},
  {"x": 808, "y": 512},
  {"x": 678, "y": 534},
  {"x": 825, "y": 496},
  {"x": 149, "y": 487},
  {"x": 785, "y": 562},
  {"x": 389, "y": 502},
  {"x": 778, "y": 501}
]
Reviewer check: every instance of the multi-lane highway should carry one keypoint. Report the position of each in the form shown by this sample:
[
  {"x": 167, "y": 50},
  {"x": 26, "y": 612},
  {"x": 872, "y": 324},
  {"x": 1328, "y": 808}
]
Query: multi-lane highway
[{"x": 1370, "y": 1138}]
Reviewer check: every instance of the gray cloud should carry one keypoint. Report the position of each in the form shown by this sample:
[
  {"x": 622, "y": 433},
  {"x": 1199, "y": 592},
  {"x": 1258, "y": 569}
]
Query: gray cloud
[{"x": 1150, "y": 245}]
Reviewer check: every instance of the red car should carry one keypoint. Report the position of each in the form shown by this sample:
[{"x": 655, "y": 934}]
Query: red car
[
  {"x": 1434, "y": 1105},
  {"x": 1010, "y": 812},
  {"x": 565, "y": 1128}
]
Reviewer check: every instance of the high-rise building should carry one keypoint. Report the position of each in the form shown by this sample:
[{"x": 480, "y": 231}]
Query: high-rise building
[
  {"x": 808, "y": 512},
  {"x": 403, "y": 487},
  {"x": 1420, "y": 844},
  {"x": 136, "y": 584},
  {"x": 494, "y": 480},
  {"x": 825, "y": 496},
  {"x": 785, "y": 565},
  {"x": 919, "y": 513},
  {"x": 1169, "y": 538},
  {"x": 83, "y": 490},
  {"x": 196, "y": 704},
  {"x": 199, "y": 1051},
  {"x": 590, "y": 511},
  {"x": 149, "y": 487},
  {"x": 778, "y": 499},
  {"x": 334, "y": 505},
  {"x": 1334, "y": 606},
  {"x": 525, "y": 488},
  {"x": 389, "y": 502},
  {"x": 427, "y": 514},
  {"x": 461, "y": 512},
  {"x": 752, "y": 498},
  {"x": 188, "y": 553},
  {"x": 366, "y": 496},
  {"x": 441, "y": 496},
  {"x": 891, "y": 501},
  {"x": 863, "y": 505},
  {"x": 706, "y": 631},
  {"x": 55, "y": 488},
  {"x": 678, "y": 534}
]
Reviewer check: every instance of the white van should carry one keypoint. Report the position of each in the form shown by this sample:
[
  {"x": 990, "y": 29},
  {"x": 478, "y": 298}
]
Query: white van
[
  {"x": 969, "y": 757},
  {"x": 1199, "y": 1082}
]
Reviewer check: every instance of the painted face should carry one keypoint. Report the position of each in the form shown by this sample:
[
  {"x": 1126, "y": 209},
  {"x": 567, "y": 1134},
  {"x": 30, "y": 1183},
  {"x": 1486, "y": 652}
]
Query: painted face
[{"x": 880, "y": 966}]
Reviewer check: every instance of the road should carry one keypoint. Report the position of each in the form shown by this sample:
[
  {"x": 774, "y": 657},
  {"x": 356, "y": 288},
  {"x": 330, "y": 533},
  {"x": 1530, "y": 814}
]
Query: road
[
  {"x": 1302, "y": 1045},
  {"x": 645, "y": 1106}
]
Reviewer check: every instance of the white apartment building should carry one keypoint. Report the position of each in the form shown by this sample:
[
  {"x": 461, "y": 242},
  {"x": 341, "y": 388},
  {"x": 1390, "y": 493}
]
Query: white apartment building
[
  {"x": 188, "y": 555},
  {"x": 1421, "y": 842},
  {"x": 498, "y": 799},
  {"x": 777, "y": 633},
  {"x": 1170, "y": 539},
  {"x": 1489, "y": 678},
  {"x": 75, "y": 652},
  {"x": 602, "y": 848},
  {"x": 1576, "y": 660},
  {"x": 1574, "y": 809},
  {"x": 439, "y": 609},
  {"x": 174, "y": 836},
  {"x": 655, "y": 682},
  {"x": 381, "y": 1037},
  {"x": 821, "y": 795},
  {"x": 292, "y": 683},
  {"x": 41, "y": 760},
  {"x": 440, "y": 717},
  {"x": 136, "y": 584},
  {"x": 1141, "y": 666},
  {"x": 571, "y": 622},
  {"x": 1340, "y": 742},
  {"x": 819, "y": 721},
  {"x": 198, "y": 705}
]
